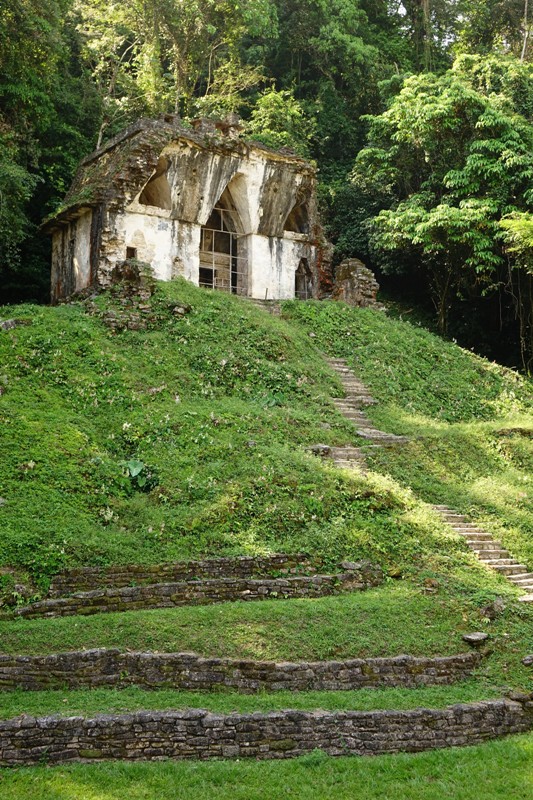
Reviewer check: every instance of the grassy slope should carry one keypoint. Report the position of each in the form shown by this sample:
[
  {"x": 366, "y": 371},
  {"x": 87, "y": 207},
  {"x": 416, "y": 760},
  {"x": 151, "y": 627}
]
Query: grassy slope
[
  {"x": 498, "y": 771},
  {"x": 217, "y": 408}
]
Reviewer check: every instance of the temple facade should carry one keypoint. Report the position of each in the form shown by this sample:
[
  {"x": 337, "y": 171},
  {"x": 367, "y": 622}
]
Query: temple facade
[{"x": 199, "y": 202}]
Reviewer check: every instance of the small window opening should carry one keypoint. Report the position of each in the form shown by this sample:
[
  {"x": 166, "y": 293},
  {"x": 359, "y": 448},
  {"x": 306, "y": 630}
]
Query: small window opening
[
  {"x": 298, "y": 219},
  {"x": 157, "y": 191},
  {"x": 131, "y": 252},
  {"x": 207, "y": 277},
  {"x": 303, "y": 281}
]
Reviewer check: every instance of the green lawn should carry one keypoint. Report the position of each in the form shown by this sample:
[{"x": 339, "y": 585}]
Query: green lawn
[
  {"x": 102, "y": 701},
  {"x": 501, "y": 770},
  {"x": 408, "y": 621}
]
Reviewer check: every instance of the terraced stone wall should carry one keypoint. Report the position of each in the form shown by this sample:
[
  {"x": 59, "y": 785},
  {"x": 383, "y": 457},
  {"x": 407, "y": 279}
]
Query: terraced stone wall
[
  {"x": 87, "y": 579},
  {"x": 111, "y": 667},
  {"x": 361, "y": 576},
  {"x": 198, "y": 734}
]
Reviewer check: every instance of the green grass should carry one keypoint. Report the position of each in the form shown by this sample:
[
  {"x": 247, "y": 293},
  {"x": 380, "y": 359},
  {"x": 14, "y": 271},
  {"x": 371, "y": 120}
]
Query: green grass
[
  {"x": 501, "y": 770},
  {"x": 189, "y": 438},
  {"x": 109, "y": 701},
  {"x": 398, "y": 618},
  {"x": 470, "y": 420},
  {"x": 406, "y": 364},
  {"x": 215, "y": 410},
  {"x": 343, "y": 626}
]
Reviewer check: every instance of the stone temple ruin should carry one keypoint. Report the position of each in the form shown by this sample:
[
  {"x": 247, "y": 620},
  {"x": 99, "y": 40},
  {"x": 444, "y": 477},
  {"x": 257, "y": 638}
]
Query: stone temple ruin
[{"x": 200, "y": 202}]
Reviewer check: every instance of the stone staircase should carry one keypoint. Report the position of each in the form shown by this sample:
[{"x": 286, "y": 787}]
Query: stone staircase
[
  {"x": 357, "y": 397},
  {"x": 489, "y": 551}
]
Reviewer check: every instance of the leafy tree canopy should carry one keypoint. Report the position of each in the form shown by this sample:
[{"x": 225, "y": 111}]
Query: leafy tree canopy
[{"x": 450, "y": 157}]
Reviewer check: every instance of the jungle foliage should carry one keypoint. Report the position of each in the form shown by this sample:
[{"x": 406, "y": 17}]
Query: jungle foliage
[{"x": 304, "y": 74}]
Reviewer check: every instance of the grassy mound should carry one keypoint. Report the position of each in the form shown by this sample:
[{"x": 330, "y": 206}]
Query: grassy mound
[{"x": 177, "y": 426}]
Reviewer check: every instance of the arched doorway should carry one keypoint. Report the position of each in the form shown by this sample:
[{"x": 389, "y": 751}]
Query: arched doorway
[
  {"x": 223, "y": 261},
  {"x": 303, "y": 281}
]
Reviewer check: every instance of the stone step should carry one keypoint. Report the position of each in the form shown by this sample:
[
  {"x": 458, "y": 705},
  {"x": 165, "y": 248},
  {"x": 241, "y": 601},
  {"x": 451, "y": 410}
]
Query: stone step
[
  {"x": 470, "y": 531},
  {"x": 352, "y": 409},
  {"x": 373, "y": 433},
  {"x": 352, "y": 395},
  {"x": 484, "y": 544},
  {"x": 481, "y": 541},
  {"x": 485, "y": 555},
  {"x": 522, "y": 577},
  {"x": 526, "y": 587},
  {"x": 346, "y": 449},
  {"x": 507, "y": 569},
  {"x": 350, "y": 402},
  {"x": 493, "y": 562},
  {"x": 355, "y": 416},
  {"x": 347, "y": 400},
  {"x": 527, "y": 598}
]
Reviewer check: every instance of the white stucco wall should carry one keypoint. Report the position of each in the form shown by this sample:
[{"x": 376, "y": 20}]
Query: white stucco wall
[
  {"x": 273, "y": 263},
  {"x": 258, "y": 192},
  {"x": 172, "y": 248}
]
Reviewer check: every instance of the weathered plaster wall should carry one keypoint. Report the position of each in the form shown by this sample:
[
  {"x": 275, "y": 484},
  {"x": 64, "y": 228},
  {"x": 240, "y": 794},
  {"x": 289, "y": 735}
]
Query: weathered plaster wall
[
  {"x": 82, "y": 251},
  {"x": 153, "y": 237},
  {"x": 278, "y": 261},
  {"x": 71, "y": 256}
]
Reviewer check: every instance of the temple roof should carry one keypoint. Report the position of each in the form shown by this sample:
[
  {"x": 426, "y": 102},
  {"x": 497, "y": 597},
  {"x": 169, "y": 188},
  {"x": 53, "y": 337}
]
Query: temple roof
[{"x": 127, "y": 161}]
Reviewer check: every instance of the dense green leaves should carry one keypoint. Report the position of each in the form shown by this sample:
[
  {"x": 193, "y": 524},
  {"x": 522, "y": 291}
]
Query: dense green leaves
[{"x": 450, "y": 157}]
